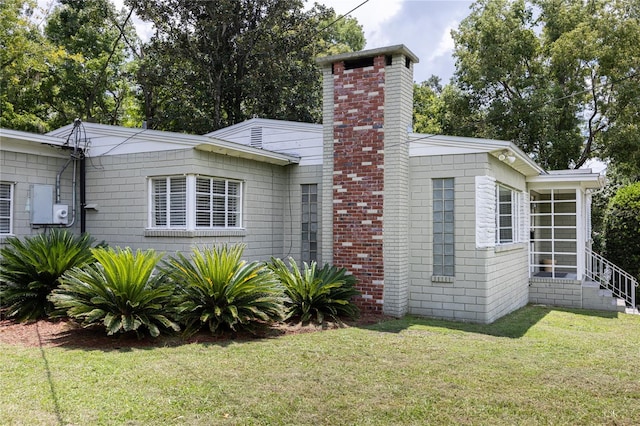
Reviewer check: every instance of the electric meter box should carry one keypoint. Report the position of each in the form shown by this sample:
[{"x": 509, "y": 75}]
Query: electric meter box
[{"x": 42, "y": 204}]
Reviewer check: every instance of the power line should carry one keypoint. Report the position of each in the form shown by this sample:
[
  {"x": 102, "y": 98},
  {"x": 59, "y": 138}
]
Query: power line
[{"x": 341, "y": 17}]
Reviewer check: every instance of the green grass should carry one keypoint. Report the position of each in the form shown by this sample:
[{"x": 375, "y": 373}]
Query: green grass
[{"x": 535, "y": 366}]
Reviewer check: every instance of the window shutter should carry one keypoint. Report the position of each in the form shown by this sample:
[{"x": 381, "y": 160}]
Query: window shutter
[{"x": 485, "y": 211}]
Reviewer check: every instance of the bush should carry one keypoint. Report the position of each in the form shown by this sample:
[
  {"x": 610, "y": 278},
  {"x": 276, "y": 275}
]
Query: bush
[
  {"x": 119, "y": 292},
  {"x": 215, "y": 288},
  {"x": 31, "y": 269},
  {"x": 316, "y": 293},
  {"x": 622, "y": 229}
]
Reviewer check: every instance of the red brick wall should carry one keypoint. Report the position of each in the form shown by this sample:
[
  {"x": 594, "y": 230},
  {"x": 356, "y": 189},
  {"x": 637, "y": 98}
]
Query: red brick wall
[{"x": 358, "y": 182}]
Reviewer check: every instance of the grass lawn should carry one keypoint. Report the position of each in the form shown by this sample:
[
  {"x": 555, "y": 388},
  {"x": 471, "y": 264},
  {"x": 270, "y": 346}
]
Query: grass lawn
[{"x": 535, "y": 366}]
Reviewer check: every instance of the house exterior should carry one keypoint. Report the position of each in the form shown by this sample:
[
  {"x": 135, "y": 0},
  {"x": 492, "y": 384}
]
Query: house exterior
[{"x": 449, "y": 227}]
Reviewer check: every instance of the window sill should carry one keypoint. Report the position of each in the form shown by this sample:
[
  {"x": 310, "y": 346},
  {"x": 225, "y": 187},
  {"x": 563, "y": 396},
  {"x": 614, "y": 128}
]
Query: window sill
[
  {"x": 509, "y": 247},
  {"x": 183, "y": 233},
  {"x": 442, "y": 279}
]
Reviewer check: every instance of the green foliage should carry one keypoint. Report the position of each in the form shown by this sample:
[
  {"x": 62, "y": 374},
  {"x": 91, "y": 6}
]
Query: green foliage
[
  {"x": 31, "y": 269},
  {"x": 213, "y": 64},
  {"x": 215, "y": 288},
  {"x": 316, "y": 293},
  {"x": 622, "y": 229},
  {"x": 120, "y": 292},
  {"x": 559, "y": 78},
  {"x": 93, "y": 81},
  {"x": 28, "y": 63}
]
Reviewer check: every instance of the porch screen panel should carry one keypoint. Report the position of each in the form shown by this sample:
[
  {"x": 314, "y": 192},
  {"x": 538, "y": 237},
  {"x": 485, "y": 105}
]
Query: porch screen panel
[
  {"x": 554, "y": 234},
  {"x": 443, "y": 227}
]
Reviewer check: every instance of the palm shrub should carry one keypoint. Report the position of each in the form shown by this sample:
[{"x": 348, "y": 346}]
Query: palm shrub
[
  {"x": 316, "y": 293},
  {"x": 119, "y": 292},
  {"x": 31, "y": 269},
  {"x": 216, "y": 289}
]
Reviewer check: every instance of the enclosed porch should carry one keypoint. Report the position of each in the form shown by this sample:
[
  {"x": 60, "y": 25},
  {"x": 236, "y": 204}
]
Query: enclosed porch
[{"x": 562, "y": 268}]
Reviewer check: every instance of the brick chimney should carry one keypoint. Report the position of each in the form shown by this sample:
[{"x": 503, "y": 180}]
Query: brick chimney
[{"x": 368, "y": 103}]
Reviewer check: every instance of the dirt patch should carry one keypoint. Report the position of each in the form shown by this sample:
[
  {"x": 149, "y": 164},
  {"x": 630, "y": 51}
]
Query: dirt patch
[{"x": 66, "y": 333}]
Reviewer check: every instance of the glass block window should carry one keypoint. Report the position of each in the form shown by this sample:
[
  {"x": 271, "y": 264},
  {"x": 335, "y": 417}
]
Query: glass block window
[
  {"x": 6, "y": 208},
  {"x": 443, "y": 227},
  {"x": 309, "y": 222}
]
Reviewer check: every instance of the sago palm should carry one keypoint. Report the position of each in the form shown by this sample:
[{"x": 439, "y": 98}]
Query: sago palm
[
  {"x": 30, "y": 270},
  {"x": 216, "y": 289},
  {"x": 316, "y": 293},
  {"x": 119, "y": 292}
]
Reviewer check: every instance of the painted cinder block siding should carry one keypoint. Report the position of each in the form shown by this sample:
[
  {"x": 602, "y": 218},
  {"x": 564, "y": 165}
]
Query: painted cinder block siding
[
  {"x": 488, "y": 282},
  {"x": 292, "y": 213},
  {"x": 119, "y": 186},
  {"x": 358, "y": 176},
  {"x": 25, "y": 170}
]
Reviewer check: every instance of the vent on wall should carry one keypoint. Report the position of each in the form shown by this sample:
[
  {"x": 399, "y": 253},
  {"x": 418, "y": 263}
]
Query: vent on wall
[{"x": 256, "y": 137}]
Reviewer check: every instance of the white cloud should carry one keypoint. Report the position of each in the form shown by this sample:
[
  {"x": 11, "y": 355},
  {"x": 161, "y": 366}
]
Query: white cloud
[
  {"x": 445, "y": 45},
  {"x": 372, "y": 15}
]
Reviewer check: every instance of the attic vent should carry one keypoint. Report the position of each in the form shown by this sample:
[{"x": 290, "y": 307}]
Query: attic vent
[
  {"x": 358, "y": 63},
  {"x": 256, "y": 137}
]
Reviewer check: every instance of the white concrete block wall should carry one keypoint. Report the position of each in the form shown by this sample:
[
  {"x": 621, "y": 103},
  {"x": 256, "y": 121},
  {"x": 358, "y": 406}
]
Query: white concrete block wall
[
  {"x": 464, "y": 296},
  {"x": 557, "y": 292},
  {"x": 398, "y": 107},
  {"x": 119, "y": 187},
  {"x": 292, "y": 213},
  {"x": 25, "y": 170},
  {"x": 326, "y": 251}
]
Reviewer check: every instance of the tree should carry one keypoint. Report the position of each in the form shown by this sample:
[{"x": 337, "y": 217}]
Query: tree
[
  {"x": 27, "y": 65},
  {"x": 92, "y": 82},
  {"x": 622, "y": 229},
  {"x": 559, "y": 78},
  {"x": 212, "y": 64}
]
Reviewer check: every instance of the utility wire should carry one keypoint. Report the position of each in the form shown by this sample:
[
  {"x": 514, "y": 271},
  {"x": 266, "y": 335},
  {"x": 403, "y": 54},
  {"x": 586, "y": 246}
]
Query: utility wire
[{"x": 341, "y": 17}]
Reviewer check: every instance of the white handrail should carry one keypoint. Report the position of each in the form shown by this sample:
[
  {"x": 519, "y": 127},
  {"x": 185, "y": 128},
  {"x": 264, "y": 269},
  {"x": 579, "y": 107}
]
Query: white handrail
[{"x": 622, "y": 284}]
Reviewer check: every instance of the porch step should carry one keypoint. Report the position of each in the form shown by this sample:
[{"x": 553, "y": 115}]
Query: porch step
[{"x": 594, "y": 297}]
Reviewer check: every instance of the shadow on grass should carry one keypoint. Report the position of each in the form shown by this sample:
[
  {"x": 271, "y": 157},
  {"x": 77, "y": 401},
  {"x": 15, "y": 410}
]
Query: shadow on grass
[{"x": 513, "y": 325}]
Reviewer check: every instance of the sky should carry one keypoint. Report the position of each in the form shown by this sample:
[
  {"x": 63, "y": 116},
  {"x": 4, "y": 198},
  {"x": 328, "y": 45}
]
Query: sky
[{"x": 424, "y": 26}]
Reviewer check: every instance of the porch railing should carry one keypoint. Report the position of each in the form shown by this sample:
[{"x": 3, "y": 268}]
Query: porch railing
[{"x": 622, "y": 284}]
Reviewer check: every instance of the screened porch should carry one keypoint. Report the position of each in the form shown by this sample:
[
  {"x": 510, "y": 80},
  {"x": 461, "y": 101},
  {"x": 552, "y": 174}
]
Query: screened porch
[{"x": 560, "y": 223}]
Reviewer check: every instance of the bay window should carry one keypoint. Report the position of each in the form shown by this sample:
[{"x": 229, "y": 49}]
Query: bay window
[{"x": 195, "y": 202}]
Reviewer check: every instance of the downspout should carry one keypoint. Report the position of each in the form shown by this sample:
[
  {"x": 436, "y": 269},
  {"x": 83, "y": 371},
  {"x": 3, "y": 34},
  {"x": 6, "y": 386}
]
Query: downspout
[
  {"x": 83, "y": 195},
  {"x": 76, "y": 155}
]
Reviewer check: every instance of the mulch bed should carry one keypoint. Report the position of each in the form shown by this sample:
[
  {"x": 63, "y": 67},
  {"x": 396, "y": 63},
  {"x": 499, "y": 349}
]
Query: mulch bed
[{"x": 66, "y": 333}]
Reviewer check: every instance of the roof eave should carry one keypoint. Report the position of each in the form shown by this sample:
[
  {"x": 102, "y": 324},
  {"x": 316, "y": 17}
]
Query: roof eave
[{"x": 254, "y": 154}]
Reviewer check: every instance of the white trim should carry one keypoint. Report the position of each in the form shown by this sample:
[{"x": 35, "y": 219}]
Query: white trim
[
  {"x": 12, "y": 201},
  {"x": 485, "y": 211},
  {"x": 190, "y": 226}
]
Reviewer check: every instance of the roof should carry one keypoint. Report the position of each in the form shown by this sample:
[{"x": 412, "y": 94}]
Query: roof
[
  {"x": 349, "y": 56},
  {"x": 425, "y": 145},
  {"x": 583, "y": 178},
  {"x": 31, "y": 143},
  {"x": 265, "y": 122},
  {"x": 117, "y": 140}
]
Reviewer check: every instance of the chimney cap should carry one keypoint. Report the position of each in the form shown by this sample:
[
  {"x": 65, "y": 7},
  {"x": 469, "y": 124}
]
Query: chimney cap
[{"x": 349, "y": 56}]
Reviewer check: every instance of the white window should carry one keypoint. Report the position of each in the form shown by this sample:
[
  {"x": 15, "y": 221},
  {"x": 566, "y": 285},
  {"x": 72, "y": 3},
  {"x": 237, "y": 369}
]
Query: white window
[
  {"x": 6, "y": 208},
  {"x": 501, "y": 214},
  {"x": 217, "y": 203},
  {"x": 507, "y": 217},
  {"x": 194, "y": 202}
]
